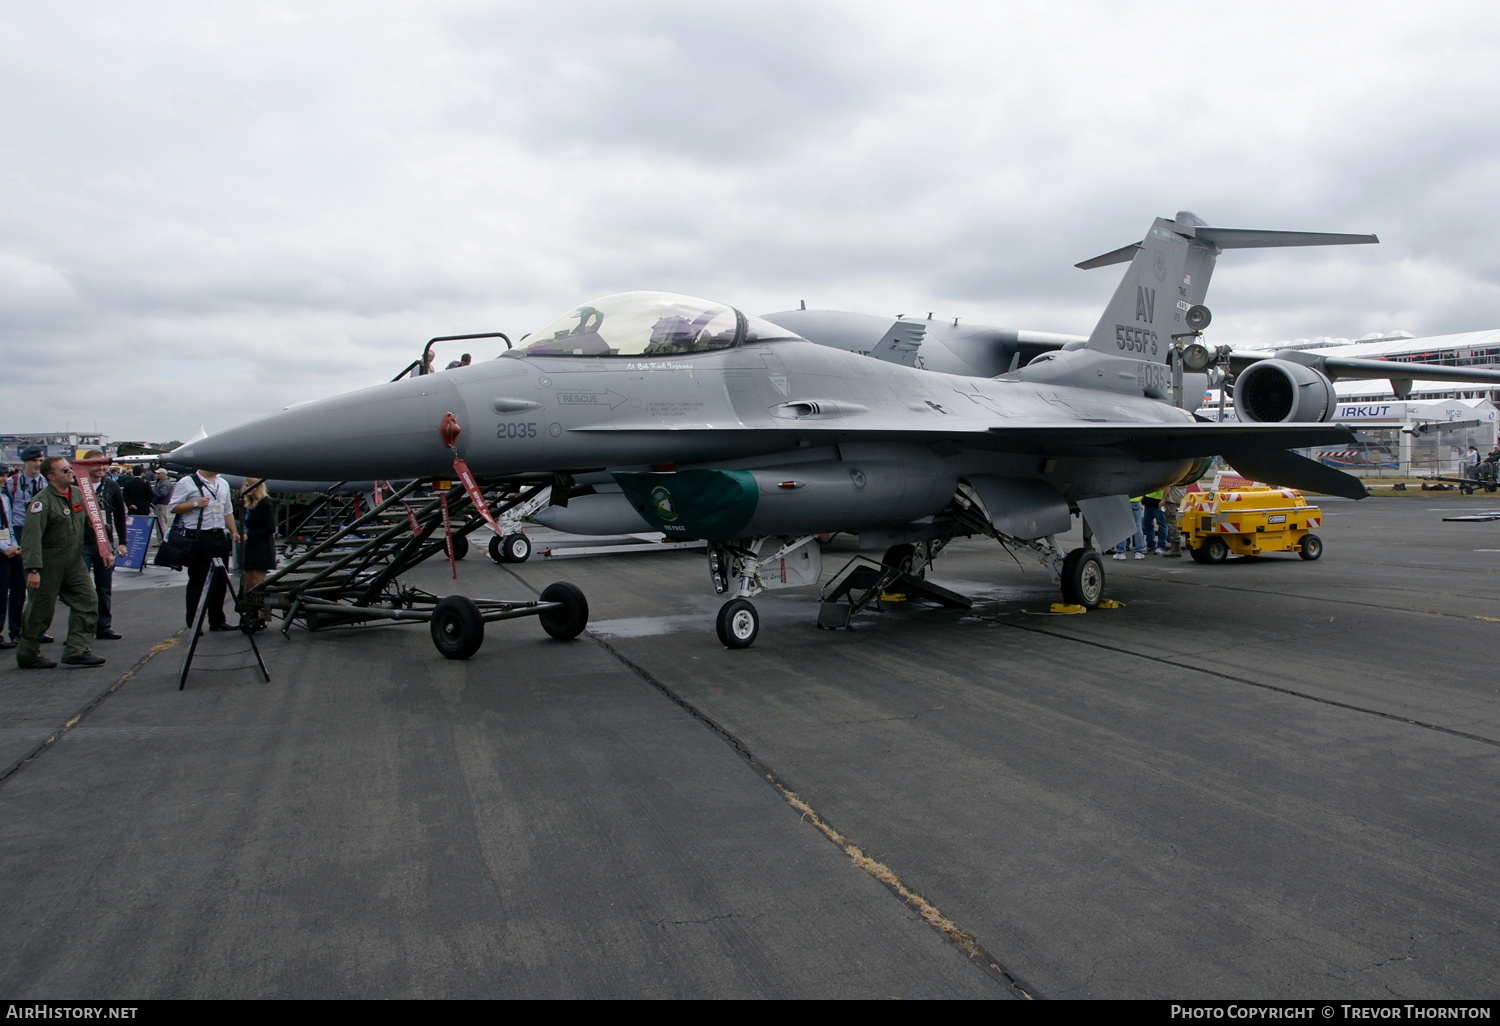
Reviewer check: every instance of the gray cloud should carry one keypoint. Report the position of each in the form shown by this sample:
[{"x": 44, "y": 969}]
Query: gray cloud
[
  {"x": 210, "y": 213},
  {"x": 718, "y": 84}
]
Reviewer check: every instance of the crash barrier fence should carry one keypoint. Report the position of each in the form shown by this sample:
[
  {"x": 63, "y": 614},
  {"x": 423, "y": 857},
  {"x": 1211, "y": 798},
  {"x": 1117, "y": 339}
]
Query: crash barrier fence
[{"x": 1407, "y": 468}]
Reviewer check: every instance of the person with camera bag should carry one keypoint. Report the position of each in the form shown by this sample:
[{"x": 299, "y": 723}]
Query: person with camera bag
[{"x": 205, "y": 515}]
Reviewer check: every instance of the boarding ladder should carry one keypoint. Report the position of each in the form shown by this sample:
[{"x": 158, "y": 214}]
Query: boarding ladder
[{"x": 351, "y": 573}]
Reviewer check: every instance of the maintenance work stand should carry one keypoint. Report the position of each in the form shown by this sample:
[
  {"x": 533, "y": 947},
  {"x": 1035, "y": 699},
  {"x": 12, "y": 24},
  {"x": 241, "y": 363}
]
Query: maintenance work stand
[{"x": 351, "y": 575}]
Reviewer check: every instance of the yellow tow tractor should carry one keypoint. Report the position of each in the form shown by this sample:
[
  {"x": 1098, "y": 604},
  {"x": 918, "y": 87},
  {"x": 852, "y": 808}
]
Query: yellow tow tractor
[{"x": 1247, "y": 521}]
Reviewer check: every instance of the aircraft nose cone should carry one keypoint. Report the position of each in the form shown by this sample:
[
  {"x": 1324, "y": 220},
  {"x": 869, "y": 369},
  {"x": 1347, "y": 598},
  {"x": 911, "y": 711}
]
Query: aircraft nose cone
[{"x": 389, "y": 431}]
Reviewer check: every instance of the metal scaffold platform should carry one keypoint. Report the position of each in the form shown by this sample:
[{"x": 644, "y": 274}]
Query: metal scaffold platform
[{"x": 350, "y": 574}]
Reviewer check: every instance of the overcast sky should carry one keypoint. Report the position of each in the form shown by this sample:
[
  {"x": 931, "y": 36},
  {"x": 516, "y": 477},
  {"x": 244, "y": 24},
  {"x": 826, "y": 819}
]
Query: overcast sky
[{"x": 213, "y": 210}]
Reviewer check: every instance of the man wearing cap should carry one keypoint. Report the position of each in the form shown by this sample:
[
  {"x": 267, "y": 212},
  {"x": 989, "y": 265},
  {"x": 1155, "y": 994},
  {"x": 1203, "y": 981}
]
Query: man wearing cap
[
  {"x": 52, "y": 551},
  {"x": 112, "y": 506},
  {"x": 22, "y": 487},
  {"x": 161, "y": 500},
  {"x": 12, "y": 574}
]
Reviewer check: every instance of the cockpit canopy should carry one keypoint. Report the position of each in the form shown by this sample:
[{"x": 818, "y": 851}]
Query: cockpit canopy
[{"x": 648, "y": 324}]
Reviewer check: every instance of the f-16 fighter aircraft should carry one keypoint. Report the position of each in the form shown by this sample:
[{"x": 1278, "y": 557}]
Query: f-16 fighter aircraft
[{"x": 711, "y": 424}]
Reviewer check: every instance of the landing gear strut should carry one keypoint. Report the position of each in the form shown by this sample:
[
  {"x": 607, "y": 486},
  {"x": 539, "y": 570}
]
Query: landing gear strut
[
  {"x": 1078, "y": 574},
  {"x": 751, "y": 567}
]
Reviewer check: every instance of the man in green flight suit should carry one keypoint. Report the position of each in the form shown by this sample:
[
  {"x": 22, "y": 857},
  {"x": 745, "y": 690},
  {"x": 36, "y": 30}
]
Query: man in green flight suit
[{"x": 52, "y": 552}]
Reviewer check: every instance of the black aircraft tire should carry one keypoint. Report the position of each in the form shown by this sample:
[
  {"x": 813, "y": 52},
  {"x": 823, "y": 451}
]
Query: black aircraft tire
[
  {"x": 1083, "y": 578},
  {"x": 898, "y": 556},
  {"x": 566, "y": 623},
  {"x": 497, "y": 549},
  {"x": 1312, "y": 547},
  {"x": 460, "y": 546},
  {"x": 457, "y": 627},
  {"x": 1215, "y": 550},
  {"x": 516, "y": 548},
  {"x": 738, "y": 623}
]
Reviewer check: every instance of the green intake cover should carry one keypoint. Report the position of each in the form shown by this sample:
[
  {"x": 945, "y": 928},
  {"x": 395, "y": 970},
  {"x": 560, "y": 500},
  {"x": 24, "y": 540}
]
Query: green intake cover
[{"x": 714, "y": 505}]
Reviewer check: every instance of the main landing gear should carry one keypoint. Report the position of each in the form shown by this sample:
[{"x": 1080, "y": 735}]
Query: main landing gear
[
  {"x": 748, "y": 568},
  {"x": 1078, "y": 574},
  {"x": 743, "y": 570},
  {"x": 1082, "y": 578}
]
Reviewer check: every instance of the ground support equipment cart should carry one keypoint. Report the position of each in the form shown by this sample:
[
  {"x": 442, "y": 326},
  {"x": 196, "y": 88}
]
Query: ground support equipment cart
[{"x": 1248, "y": 521}]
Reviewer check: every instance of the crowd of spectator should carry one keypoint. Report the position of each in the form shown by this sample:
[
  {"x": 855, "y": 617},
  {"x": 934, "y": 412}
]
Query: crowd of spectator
[{"x": 51, "y": 548}]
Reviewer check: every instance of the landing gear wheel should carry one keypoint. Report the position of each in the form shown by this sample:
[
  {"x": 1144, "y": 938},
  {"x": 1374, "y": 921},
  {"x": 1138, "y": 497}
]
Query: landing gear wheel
[
  {"x": 460, "y": 546},
  {"x": 1083, "y": 578},
  {"x": 568, "y": 622},
  {"x": 909, "y": 559},
  {"x": 457, "y": 627},
  {"x": 899, "y": 557},
  {"x": 513, "y": 548},
  {"x": 1215, "y": 550},
  {"x": 1312, "y": 547},
  {"x": 738, "y": 623}
]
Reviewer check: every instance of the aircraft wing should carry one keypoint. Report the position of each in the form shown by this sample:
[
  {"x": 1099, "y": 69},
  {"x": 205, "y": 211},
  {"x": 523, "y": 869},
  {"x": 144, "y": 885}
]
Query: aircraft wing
[
  {"x": 1061, "y": 439},
  {"x": 1257, "y": 450},
  {"x": 1423, "y": 426},
  {"x": 1338, "y": 367}
]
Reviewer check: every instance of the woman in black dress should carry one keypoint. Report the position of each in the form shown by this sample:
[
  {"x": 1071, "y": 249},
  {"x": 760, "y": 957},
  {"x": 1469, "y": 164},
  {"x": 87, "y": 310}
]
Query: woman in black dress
[{"x": 259, "y": 557}]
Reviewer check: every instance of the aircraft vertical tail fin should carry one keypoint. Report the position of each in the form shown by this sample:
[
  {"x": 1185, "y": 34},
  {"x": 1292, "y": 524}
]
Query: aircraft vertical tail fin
[{"x": 1168, "y": 276}]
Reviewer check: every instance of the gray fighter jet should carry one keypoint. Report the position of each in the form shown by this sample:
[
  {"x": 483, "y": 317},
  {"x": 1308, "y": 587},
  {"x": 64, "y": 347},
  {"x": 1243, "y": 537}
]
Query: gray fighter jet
[{"x": 703, "y": 422}]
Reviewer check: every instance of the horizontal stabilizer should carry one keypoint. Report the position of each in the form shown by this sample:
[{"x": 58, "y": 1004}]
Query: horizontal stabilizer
[
  {"x": 1289, "y": 470},
  {"x": 1115, "y": 256},
  {"x": 1168, "y": 276},
  {"x": 1239, "y": 238},
  {"x": 1254, "y": 238}
]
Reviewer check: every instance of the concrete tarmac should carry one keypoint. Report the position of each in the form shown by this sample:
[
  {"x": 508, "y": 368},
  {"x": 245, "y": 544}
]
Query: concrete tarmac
[{"x": 1268, "y": 778}]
